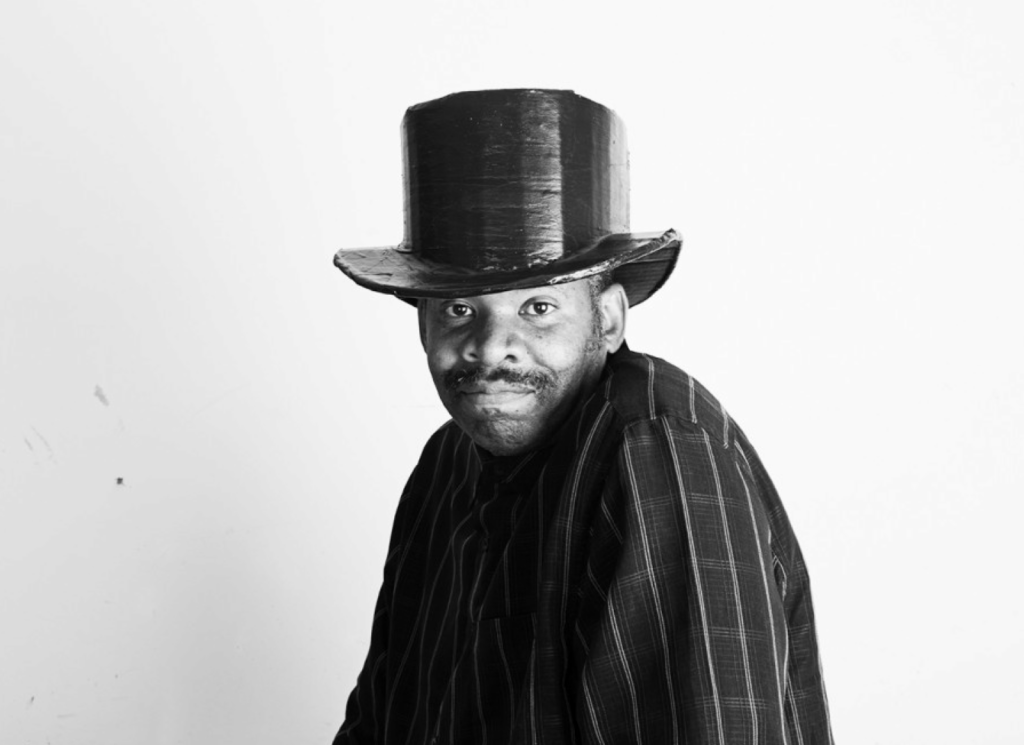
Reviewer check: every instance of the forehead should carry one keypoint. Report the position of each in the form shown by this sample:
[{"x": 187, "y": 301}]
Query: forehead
[{"x": 563, "y": 291}]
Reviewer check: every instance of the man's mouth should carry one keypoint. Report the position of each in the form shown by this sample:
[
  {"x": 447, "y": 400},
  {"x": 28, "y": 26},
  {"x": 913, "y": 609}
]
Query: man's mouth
[
  {"x": 493, "y": 394},
  {"x": 492, "y": 388}
]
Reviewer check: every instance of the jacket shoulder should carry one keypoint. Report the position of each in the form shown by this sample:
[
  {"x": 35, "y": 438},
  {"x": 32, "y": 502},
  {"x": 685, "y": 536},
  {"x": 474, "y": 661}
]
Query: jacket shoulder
[
  {"x": 448, "y": 450},
  {"x": 643, "y": 387}
]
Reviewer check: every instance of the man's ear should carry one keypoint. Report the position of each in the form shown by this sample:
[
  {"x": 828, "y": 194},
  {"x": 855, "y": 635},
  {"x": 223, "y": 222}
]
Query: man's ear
[
  {"x": 614, "y": 308},
  {"x": 421, "y": 313}
]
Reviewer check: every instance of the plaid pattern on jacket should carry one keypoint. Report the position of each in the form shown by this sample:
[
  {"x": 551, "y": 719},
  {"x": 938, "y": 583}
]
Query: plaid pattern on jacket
[{"x": 634, "y": 581}]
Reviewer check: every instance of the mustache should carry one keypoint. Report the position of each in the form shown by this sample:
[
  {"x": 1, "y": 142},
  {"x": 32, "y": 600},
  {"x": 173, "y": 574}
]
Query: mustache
[{"x": 536, "y": 379}]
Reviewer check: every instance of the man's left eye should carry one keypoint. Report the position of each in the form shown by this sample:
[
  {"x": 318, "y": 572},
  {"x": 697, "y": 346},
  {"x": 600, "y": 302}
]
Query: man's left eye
[{"x": 539, "y": 308}]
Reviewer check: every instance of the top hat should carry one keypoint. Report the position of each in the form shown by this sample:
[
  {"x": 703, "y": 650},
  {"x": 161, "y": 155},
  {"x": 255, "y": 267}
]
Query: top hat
[{"x": 506, "y": 189}]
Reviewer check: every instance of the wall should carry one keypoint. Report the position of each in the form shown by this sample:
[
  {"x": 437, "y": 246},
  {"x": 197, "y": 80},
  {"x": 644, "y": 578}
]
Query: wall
[{"x": 204, "y": 427}]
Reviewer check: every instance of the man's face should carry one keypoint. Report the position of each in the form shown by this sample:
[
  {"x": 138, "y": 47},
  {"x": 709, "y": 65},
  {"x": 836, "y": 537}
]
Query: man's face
[{"x": 510, "y": 366}]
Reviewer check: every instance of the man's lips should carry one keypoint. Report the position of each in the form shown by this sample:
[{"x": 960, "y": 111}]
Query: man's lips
[
  {"x": 493, "y": 394},
  {"x": 478, "y": 389}
]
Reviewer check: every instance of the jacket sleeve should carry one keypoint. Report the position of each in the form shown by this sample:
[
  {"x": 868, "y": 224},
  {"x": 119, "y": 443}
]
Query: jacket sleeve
[
  {"x": 364, "y": 714},
  {"x": 683, "y": 626}
]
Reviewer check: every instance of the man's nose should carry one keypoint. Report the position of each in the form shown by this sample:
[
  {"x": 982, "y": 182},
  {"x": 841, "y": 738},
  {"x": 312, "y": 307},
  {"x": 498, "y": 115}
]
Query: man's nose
[{"x": 494, "y": 340}]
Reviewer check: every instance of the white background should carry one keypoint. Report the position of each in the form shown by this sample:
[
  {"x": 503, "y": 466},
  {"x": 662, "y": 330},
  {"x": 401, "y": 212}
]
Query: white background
[{"x": 176, "y": 176}]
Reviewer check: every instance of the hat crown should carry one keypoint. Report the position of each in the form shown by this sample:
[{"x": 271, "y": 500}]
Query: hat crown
[{"x": 511, "y": 179}]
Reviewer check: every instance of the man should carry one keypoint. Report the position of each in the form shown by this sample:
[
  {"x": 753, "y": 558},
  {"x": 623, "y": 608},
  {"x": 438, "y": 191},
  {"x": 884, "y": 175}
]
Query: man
[{"x": 590, "y": 551}]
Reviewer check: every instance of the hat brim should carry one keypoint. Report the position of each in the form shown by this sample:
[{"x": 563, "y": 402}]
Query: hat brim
[{"x": 640, "y": 262}]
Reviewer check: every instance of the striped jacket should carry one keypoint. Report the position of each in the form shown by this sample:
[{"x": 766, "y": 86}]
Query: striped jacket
[{"x": 635, "y": 581}]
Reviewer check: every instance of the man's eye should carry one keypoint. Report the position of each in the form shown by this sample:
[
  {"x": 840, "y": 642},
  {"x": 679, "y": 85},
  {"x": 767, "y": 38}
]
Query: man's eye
[
  {"x": 457, "y": 310},
  {"x": 539, "y": 308}
]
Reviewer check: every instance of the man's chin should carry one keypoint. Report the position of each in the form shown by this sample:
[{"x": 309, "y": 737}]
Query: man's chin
[{"x": 501, "y": 435}]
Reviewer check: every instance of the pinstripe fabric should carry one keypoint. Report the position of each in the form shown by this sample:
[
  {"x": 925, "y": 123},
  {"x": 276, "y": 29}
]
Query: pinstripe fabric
[{"x": 635, "y": 581}]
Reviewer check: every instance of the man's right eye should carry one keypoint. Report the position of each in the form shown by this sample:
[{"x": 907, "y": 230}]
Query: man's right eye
[{"x": 457, "y": 310}]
